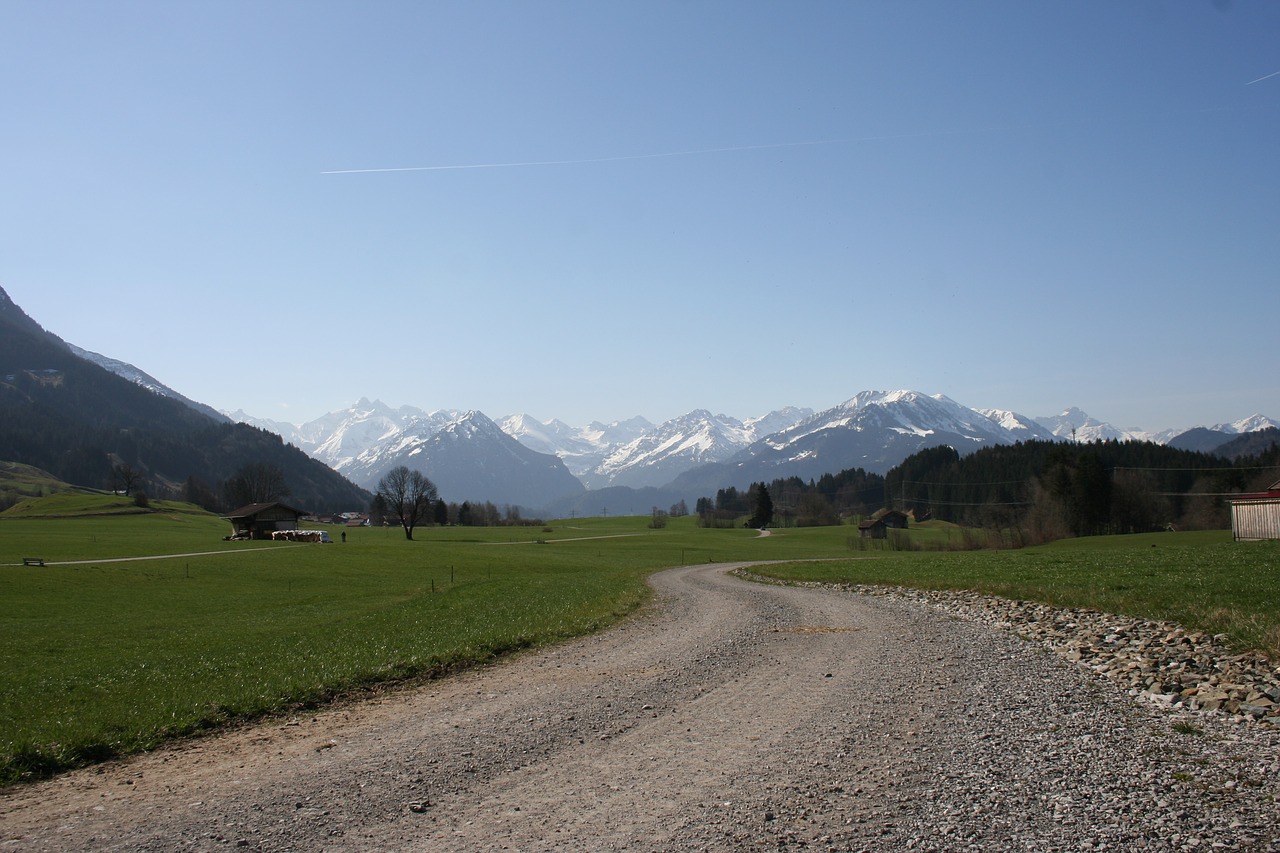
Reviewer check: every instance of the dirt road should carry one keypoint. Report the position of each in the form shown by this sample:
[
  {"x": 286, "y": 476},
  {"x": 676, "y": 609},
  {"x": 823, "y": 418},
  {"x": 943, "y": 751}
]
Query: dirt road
[{"x": 729, "y": 715}]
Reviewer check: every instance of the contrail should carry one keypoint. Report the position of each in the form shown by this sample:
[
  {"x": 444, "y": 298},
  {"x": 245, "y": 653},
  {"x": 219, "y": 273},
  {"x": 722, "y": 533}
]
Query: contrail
[
  {"x": 640, "y": 156},
  {"x": 1260, "y": 79}
]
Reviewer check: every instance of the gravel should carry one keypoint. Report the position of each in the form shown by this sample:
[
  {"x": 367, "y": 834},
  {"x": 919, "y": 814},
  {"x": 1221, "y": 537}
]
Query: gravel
[{"x": 728, "y": 715}]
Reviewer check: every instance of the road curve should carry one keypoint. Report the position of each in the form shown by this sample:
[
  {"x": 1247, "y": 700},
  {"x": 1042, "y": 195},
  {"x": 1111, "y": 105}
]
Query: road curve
[{"x": 728, "y": 714}]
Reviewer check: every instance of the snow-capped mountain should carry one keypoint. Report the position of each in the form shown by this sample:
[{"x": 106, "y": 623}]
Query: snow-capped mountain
[
  {"x": 898, "y": 419},
  {"x": 1075, "y": 425},
  {"x": 679, "y": 444},
  {"x": 874, "y": 431},
  {"x": 775, "y": 421},
  {"x": 1209, "y": 439},
  {"x": 1253, "y": 423},
  {"x": 338, "y": 438},
  {"x": 582, "y": 449},
  {"x": 369, "y": 425},
  {"x": 1014, "y": 423},
  {"x": 696, "y": 453},
  {"x": 910, "y": 413},
  {"x": 469, "y": 458},
  {"x": 139, "y": 377}
]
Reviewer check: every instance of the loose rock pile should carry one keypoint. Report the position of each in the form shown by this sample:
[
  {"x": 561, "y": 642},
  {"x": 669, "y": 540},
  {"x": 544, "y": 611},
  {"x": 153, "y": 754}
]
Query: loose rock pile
[{"x": 1156, "y": 661}]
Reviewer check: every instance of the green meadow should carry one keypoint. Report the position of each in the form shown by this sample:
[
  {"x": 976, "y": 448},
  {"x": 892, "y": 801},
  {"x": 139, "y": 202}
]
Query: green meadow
[
  {"x": 1198, "y": 579},
  {"x": 104, "y": 651}
]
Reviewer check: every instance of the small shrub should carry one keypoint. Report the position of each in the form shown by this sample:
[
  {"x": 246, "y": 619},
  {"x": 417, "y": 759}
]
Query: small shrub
[{"x": 900, "y": 541}]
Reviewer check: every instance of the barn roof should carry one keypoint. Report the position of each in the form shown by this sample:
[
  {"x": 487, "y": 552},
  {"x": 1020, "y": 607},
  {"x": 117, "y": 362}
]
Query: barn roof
[
  {"x": 1272, "y": 493},
  {"x": 254, "y": 509}
]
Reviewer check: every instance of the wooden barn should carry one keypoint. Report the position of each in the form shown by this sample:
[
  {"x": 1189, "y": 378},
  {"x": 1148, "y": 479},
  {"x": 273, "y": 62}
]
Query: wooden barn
[
  {"x": 1256, "y": 516},
  {"x": 259, "y": 521},
  {"x": 878, "y": 526}
]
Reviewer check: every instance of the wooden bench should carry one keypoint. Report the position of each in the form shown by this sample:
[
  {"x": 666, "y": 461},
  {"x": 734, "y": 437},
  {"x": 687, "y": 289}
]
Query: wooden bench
[{"x": 33, "y": 561}]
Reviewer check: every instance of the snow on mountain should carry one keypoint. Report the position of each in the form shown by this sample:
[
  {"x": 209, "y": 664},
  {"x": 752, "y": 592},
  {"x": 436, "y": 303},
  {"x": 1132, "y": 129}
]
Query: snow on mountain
[
  {"x": 581, "y": 448},
  {"x": 698, "y": 452},
  {"x": 369, "y": 426},
  {"x": 140, "y": 377},
  {"x": 676, "y": 445},
  {"x": 468, "y": 458},
  {"x": 339, "y": 438},
  {"x": 1209, "y": 439},
  {"x": 775, "y": 421},
  {"x": 904, "y": 413},
  {"x": 1075, "y": 425},
  {"x": 1253, "y": 423},
  {"x": 874, "y": 431},
  {"x": 617, "y": 432},
  {"x": 636, "y": 453},
  {"x": 1016, "y": 423},
  {"x": 552, "y": 436},
  {"x": 287, "y": 431}
]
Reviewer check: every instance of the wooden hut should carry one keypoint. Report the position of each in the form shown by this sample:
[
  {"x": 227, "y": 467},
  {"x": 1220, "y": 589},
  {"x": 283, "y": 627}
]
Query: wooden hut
[
  {"x": 879, "y": 525},
  {"x": 259, "y": 521}
]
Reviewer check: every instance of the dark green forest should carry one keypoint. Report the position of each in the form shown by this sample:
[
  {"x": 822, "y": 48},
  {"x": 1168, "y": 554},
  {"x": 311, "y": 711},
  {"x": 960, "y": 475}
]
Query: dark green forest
[
  {"x": 1054, "y": 489},
  {"x": 84, "y": 424},
  {"x": 1041, "y": 490}
]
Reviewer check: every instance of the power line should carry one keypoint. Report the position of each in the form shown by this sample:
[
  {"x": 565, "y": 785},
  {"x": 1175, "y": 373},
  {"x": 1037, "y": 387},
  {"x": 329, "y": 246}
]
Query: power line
[
  {"x": 1233, "y": 468},
  {"x": 962, "y": 503},
  {"x": 964, "y": 484}
]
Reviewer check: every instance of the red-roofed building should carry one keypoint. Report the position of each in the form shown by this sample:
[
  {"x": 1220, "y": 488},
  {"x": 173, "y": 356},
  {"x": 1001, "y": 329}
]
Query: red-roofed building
[{"x": 1256, "y": 516}]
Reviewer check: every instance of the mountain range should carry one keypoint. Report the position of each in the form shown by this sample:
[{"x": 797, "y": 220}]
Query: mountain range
[
  {"x": 545, "y": 466},
  {"x": 549, "y": 465}
]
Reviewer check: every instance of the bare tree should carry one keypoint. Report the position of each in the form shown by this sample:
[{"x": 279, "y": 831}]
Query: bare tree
[
  {"x": 256, "y": 483},
  {"x": 124, "y": 478},
  {"x": 409, "y": 495}
]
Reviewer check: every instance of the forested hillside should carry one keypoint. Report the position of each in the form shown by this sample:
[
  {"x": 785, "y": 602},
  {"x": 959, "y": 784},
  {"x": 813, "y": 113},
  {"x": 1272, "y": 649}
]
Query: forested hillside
[
  {"x": 81, "y": 423},
  {"x": 1053, "y": 489}
]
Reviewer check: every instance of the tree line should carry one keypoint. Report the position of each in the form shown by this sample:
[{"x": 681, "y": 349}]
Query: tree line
[
  {"x": 793, "y": 502},
  {"x": 1039, "y": 490},
  {"x": 1050, "y": 490},
  {"x": 409, "y": 499}
]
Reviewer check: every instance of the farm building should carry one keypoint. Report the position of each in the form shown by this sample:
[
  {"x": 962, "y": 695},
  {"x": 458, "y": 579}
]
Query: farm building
[
  {"x": 259, "y": 521},
  {"x": 1256, "y": 516},
  {"x": 878, "y": 526}
]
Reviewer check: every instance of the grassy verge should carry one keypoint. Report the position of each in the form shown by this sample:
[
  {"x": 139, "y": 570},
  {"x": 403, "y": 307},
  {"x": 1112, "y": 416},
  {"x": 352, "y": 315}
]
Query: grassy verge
[{"x": 1201, "y": 580}]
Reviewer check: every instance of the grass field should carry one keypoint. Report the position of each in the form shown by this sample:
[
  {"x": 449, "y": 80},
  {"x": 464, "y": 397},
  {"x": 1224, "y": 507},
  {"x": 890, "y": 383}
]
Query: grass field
[
  {"x": 1201, "y": 579},
  {"x": 100, "y": 658}
]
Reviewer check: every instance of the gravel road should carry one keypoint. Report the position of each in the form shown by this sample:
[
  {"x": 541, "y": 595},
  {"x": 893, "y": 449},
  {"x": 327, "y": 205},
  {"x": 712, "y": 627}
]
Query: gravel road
[{"x": 728, "y": 715}]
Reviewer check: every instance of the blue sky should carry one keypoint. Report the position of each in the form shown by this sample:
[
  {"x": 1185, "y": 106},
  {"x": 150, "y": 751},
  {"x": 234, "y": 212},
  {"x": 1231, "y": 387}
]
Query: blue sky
[{"x": 670, "y": 205}]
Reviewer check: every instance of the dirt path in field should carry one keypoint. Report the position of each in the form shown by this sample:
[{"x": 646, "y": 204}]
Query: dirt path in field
[
  {"x": 159, "y": 556},
  {"x": 728, "y": 715}
]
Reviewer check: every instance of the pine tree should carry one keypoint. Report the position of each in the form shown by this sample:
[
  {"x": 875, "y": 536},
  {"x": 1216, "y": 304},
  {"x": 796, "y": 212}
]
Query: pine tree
[{"x": 762, "y": 516}]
